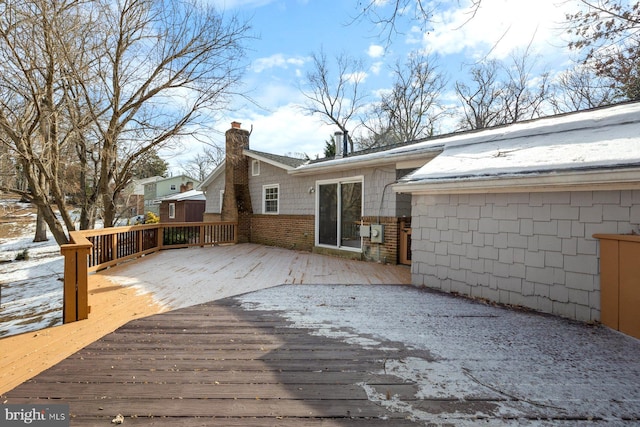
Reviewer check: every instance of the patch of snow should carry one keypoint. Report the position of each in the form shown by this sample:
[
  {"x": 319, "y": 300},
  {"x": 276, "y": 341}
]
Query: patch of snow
[
  {"x": 31, "y": 291},
  {"x": 525, "y": 363}
]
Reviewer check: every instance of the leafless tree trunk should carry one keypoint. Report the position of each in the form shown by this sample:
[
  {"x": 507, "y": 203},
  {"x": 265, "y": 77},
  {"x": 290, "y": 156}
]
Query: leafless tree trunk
[
  {"x": 32, "y": 36},
  {"x": 580, "y": 89},
  {"x": 481, "y": 97},
  {"x": 336, "y": 97},
  {"x": 163, "y": 65},
  {"x": 202, "y": 163},
  {"x": 502, "y": 93},
  {"x": 108, "y": 81},
  {"x": 411, "y": 110}
]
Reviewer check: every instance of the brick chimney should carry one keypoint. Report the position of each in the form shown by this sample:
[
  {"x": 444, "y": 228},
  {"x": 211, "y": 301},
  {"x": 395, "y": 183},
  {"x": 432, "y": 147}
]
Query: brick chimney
[{"x": 236, "y": 203}]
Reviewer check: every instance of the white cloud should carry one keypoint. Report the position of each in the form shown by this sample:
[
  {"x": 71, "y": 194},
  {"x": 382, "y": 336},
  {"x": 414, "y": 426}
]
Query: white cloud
[
  {"x": 286, "y": 130},
  {"x": 375, "y": 51},
  {"x": 376, "y": 67},
  {"x": 278, "y": 60},
  {"x": 499, "y": 27}
]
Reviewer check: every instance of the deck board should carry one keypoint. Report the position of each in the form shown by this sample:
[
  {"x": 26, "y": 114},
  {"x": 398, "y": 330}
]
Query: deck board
[{"x": 218, "y": 364}]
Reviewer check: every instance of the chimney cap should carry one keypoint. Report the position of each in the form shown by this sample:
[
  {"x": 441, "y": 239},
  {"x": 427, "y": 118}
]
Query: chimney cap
[{"x": 235, "y": 125}]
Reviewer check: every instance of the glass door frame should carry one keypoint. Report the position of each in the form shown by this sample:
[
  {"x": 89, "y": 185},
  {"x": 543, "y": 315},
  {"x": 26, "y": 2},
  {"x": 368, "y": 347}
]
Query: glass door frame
[{"x": 339, "y": 182}]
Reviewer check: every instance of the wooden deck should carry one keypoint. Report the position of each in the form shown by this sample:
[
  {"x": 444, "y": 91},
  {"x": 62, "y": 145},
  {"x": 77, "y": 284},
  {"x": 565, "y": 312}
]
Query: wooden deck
[{"x": 216, "y": 364}]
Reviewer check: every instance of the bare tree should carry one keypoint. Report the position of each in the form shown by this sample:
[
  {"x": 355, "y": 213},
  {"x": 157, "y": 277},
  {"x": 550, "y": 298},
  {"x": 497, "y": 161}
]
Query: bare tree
[
  {"x": 411, "y": 110},
  {"x": 580, "y": 88},
  {"x": 387, "y": 15},
  {"x": 336, "y": 97},
  {"x": 202, "y": 163},
  {"x": 112, "y": 79},
  {"x": 523, "y": 92},
  {"x": 608, "y": 32},
  {"x": 502, "y": 93},
  {"x": 164, "y": 68},
  {"x": 481, "y": 97},
  {"x": 33, "y": 34}
]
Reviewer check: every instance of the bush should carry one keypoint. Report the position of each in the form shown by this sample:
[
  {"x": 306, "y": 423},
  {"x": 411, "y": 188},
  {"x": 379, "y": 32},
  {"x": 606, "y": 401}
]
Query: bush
[
  {"x": 23, "y": 255},
  {"x": 151, "y": 218}
]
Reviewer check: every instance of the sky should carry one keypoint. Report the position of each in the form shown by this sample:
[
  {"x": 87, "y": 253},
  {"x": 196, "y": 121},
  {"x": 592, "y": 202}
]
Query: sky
[{"x": 285, "y": 33}]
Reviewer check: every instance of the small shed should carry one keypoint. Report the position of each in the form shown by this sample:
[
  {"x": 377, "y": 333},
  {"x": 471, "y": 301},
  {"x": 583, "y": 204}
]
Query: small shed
[{"x": 188, "y": 206}]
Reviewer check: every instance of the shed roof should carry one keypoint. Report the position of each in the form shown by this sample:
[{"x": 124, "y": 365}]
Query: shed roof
[{"x": 186, "y": 195}]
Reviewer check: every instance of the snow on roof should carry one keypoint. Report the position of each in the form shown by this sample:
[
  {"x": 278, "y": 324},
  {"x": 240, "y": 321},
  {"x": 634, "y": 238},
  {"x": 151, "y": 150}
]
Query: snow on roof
[
  {"x": 597, "y": 139},
  {"x": 186, "y": 195}
]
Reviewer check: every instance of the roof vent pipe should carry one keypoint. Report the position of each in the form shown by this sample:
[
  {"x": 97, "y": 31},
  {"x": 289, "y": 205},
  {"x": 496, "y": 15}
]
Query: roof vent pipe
[
  {"x": 338, "y": 142},
  {"x": 345, "y": 143}
]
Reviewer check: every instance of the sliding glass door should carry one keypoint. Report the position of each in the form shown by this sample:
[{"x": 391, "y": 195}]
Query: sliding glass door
[{"x": 339, "y": 210}]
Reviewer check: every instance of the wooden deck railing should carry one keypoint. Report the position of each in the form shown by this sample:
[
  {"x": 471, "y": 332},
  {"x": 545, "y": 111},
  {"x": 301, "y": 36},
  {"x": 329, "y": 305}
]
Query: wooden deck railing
[{"x": 93, "y": 250}]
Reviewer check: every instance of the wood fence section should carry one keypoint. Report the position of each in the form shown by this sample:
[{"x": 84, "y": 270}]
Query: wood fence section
[{"x": 93, "y": 250}]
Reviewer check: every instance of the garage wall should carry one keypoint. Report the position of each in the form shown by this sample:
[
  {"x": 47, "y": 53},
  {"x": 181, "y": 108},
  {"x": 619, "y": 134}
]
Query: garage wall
[{"x": 530, "y": 249}]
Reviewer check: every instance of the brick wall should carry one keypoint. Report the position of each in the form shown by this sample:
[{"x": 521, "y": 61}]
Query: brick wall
[
  {"x": 531, "y": 249},
  {"x": 286, "y": 231},
  {"x": 386, "y": 252}
]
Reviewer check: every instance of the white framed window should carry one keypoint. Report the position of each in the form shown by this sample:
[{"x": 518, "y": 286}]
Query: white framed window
[
  {"x": 173, "y": 187},
  {"x": 255, "y": 168},
  {"x": 221, "y": 201},
  {"x": 172, "y": 210},
  {"x": 271, "y": 199}
]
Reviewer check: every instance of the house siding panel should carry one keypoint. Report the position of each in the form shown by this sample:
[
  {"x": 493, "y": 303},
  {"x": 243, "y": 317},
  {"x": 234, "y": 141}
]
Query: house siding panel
[{"x": 529, "y": 249}]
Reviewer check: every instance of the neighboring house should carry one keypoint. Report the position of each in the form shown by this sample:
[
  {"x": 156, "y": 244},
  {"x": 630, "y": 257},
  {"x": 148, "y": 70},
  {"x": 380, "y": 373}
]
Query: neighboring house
[
  {"x": 343, "y": 206},
  {"x": 187, "y": 206},
  {"x": 155, "y": 191},
  {"x": 508, "y": 214},
  {"x": 134, "y": 195}
]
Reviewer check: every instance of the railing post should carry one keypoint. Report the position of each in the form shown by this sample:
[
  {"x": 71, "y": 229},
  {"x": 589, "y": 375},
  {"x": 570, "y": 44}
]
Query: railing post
[
  {"x": 114, "y": 246},
  {"x": 160, "y": 237},
  {"x": 70, "y": 254},
  {"x": 76, "y": 278}
]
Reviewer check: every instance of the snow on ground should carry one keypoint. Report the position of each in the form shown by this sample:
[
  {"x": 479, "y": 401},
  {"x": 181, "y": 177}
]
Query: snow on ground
[
  {"x": 31, "y": 290},
  {"x": 533, "y": 366}
]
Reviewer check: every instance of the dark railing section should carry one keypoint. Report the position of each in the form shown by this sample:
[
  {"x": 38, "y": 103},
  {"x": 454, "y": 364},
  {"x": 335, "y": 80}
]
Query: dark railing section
[{"x": 93, "y": 250}]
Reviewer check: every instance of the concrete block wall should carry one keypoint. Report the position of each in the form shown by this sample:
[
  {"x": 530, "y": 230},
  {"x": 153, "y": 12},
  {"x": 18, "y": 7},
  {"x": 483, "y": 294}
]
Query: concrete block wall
[{"x": 529, "y": 249}]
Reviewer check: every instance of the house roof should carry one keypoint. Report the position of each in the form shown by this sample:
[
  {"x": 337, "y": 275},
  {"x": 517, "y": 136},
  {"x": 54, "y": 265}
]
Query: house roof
[
  {"x": 283, "y": 162},
  {"x": 404, "y": 156},
  {"x": 567, "y": 150},
  {"x": 178, "y": 177},
  {"x": 186, "y": 195}
]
